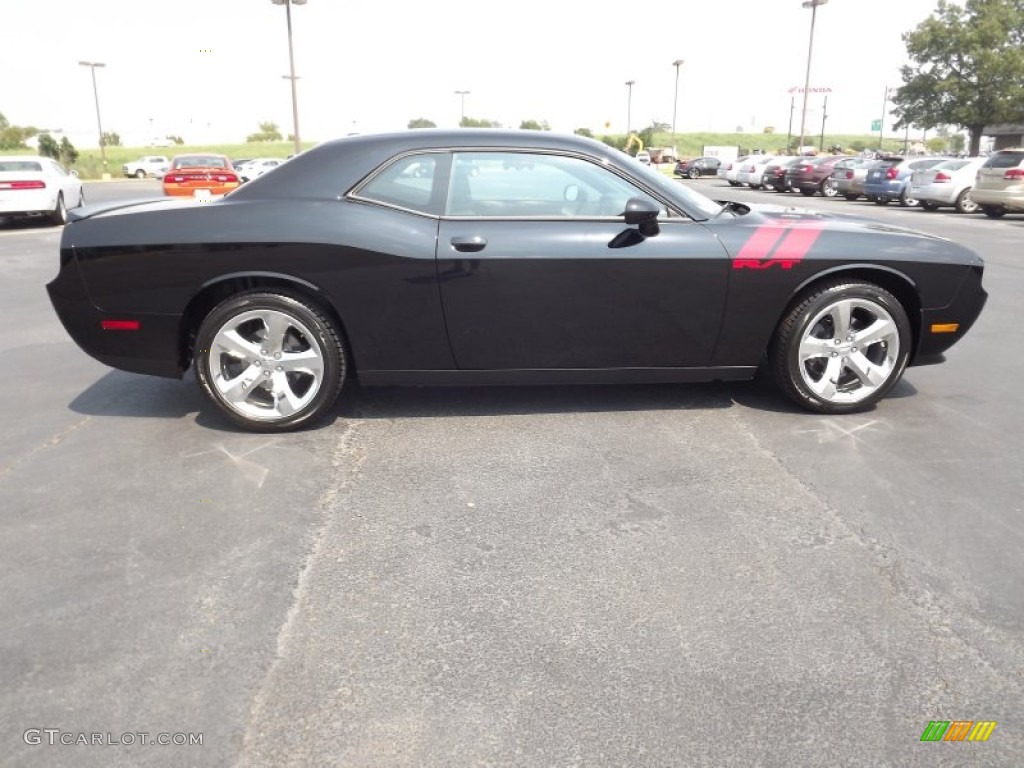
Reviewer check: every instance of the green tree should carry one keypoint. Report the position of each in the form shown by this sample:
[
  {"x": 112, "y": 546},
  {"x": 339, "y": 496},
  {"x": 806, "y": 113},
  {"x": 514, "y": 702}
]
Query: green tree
[
  {"x": 937, "y": 145},
  {"x": 422, "y": 122},
  {"x": 13, "y": 136},
  {"x": 966, "y": 67},
  {"x": 68, "y": 153},
  {"x": 473, "y": 122},
  {"x": 48, "y": 147},
  {"x": 268, "y": 132},
  {"x": 111, "y": 139},
  {"x": 175, "y": 139},
  {"x": 584, "y": 132},
  {"x": 533, "y": 125}
]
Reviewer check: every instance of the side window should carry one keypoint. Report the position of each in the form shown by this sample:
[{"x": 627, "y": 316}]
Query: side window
[
  {"x": 522, "y": 185},
  {"x": 407, "y": 183}
]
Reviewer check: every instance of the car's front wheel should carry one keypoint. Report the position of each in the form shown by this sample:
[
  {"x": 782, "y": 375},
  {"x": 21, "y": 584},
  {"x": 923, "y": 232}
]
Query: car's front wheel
[
  {"x": 270, "y": 361},
  {"x": 694, "y": 173},
  {"x": 850, "y": 196},
  {"x": 964, "y": 203},
  {"x": 140, "y": 174},
  {"x": 842, "y": 347}
]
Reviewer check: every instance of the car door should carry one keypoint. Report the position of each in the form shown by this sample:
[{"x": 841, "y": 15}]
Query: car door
[{"x": 538, "y": 270}]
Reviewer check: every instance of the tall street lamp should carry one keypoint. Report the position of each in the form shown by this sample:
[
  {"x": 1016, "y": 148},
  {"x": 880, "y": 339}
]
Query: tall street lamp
[
  {"x": 629, "y": 108},
  {"x": 291, "y": 62},
  {"x": 462, "y": 96},
  {"x": 885, "y": 105},
  {"x": 96, "y": 97},
  {"x": 675, "y": 103},
  {"x": 813, "y": 5}
]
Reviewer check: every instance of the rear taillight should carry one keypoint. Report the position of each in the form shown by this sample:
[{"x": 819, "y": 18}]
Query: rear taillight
[
  {"x": 892, "y": 173},
  {"x": 1014, "y": 174},
  {"x": 225, "y": 177},
  {"x": 940, "y": 177},
  {"x": 23, "y": 184},
  {"x": 803, "y": 169},
  {"x": 728, "y": 167},
  {"x": 849, "y": 175},
  {"x": 174, "y": 179}
]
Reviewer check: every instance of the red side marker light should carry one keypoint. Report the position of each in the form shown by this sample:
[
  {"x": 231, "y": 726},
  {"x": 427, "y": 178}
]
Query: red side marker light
[{"x": 119, "y": 325}]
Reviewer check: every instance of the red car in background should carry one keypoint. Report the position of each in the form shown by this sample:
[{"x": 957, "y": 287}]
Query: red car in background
[
  {"x": 200, "y": 176},
  {"x": 814, "y": 175}
]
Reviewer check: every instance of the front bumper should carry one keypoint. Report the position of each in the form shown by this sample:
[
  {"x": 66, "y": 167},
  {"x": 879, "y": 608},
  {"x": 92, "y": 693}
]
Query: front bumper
[{"x": 963, "y": 310}]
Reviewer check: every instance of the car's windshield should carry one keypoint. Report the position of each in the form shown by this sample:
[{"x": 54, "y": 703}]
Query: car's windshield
[{"x": 693, "y": 201}]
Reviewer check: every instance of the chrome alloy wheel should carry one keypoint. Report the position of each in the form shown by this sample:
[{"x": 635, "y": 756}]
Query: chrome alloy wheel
[
  {"x": 265, "y": 364},
  {"x": 849, "y": 350}
]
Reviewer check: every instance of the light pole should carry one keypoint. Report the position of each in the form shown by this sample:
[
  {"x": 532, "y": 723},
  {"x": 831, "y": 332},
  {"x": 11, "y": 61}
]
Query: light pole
[
  {"x": 789, "y": 131},
  {"x": 96, "y": 97},
  {"x": 881, "y": 124},
  {"x": 824, "y": 117},
  {"x": 462, "y": 96},
  {"x": 291, "y": 63},
  {"x": 629, "y": 108},
  {"x": 813, "y": 5},
  {"x": 675, "y": 103}
]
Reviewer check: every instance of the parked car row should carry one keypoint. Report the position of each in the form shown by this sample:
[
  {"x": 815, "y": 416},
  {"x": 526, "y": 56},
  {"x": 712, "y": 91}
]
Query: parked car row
[{"x": 994, "y": 184}]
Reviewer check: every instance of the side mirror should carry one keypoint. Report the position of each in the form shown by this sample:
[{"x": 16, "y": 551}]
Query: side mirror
[
  {"x": 74, "y": 173},
  {"x": 644, "y": 213}
]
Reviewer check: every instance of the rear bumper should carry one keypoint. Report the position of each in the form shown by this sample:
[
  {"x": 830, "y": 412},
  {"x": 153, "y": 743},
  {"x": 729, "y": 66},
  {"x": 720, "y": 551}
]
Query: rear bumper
[
  {"x": 1007, "y": 198},
  {"x": 153, "y": 349},
  {"x": 888, "y": 189},
  {"x": 964, "y": 309},
  {"x": 945, "y": 194},
  {"x": 23, "y": 202}
]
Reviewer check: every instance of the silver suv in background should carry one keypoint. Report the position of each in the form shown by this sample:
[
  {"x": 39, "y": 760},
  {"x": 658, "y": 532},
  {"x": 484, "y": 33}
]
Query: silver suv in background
[{"x": 999, "y": 185}]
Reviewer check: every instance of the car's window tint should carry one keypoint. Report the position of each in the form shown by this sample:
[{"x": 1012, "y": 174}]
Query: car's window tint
[
  {"x": 19, "y": 165},
  {"x": 1005, "y": 159},
  {"x": 951, "y": 165},
  {"x": 514, "y": 184},
  {"x": 407, "y": 183}
]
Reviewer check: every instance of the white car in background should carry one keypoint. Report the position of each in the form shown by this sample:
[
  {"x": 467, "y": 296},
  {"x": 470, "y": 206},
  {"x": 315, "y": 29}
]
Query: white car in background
[
  {"x": 256, "y": 168},
  {"x": 752, "y": 170},
  {"x": 32, "y": 185},
  {"x": 948, "y": 183},
  {"x": 730, "y": 170}
]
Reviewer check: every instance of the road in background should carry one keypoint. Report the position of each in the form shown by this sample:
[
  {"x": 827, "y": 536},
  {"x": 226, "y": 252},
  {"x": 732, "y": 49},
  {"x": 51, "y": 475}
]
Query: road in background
[{"x": 655, "y": 575}]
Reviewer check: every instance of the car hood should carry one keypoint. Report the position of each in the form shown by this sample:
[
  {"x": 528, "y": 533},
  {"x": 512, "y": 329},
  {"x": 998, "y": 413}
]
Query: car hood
[{"x": 766, "y": 213}]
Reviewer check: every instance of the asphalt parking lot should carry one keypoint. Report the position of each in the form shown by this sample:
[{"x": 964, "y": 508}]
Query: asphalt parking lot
[{"x": 627, "y": 575}]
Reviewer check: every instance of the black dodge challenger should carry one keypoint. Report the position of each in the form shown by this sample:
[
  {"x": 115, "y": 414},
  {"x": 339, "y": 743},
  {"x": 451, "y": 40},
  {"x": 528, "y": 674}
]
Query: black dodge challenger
[{"x": 493, "y": 257}]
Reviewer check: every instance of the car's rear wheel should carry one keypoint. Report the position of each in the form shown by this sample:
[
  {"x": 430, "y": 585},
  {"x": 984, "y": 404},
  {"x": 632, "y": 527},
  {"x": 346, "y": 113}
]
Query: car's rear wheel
[
  {"x": 808, "y": 191},
  {"x": 59, "y": 214},
  {"x": 270, "y": 361},
  {"x": 964, "y": 203},
  {"x": 842, "y": 347},
  {"x": 881, "y": 201},
  {"x": 140, "y": 174},
  {"x": 693, "y": 173},
  {"x": 733, "y": 183},
  {"x": 907, "y": 201},
  {"x": 929, "y": 206},
  {"x": 828, "y": 188},
  {"x": 993, "y": 211}
]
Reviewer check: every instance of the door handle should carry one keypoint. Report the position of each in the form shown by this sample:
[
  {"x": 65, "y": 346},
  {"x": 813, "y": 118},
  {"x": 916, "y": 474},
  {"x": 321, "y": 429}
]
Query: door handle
[{"x": 469, "y": 244}]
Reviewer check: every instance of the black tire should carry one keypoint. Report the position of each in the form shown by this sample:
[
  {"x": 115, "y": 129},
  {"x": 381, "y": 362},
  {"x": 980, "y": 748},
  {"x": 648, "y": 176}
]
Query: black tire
[
  {"x": 993, "y": 212},
  {"x": 808, "y": 192},
  {"x": 964, "y": 203},
  {"x": 828, "y": 188},
  {"x": 693, "y": 173},
  {"x": 324, "y": 338},
  {"x": 881, "y": 201},
  {"x": 784, "y": 351},
  {"x": 140, "y": 174},
  {"x": 907, "y": 201},
  {"x": 734, "y": 183},
  {"x": 929, "y": 206},
  {"x": 850, "y": 196},
  {"x": 59, "y": 214}
]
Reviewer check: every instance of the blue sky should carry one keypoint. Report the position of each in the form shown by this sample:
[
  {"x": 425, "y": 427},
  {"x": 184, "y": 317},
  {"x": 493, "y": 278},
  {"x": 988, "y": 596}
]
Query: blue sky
[{"x": 212, "y": 69}]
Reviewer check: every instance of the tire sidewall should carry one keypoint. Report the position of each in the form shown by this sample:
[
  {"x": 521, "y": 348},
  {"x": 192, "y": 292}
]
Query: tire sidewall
[
  {"x": 325, "y": 335},
  {"x": 828, "y": 296}
]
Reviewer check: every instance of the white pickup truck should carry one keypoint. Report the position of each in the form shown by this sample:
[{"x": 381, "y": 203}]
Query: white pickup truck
[{"x": 151, "y": 165}]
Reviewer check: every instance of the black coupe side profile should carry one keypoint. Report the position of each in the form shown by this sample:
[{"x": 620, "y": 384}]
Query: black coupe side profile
[{"x": 499, "y": 257}]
